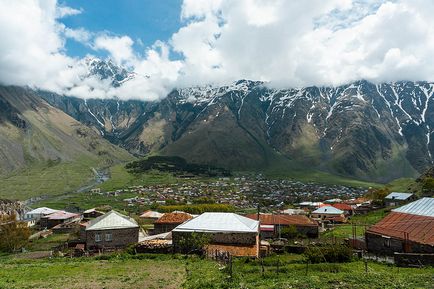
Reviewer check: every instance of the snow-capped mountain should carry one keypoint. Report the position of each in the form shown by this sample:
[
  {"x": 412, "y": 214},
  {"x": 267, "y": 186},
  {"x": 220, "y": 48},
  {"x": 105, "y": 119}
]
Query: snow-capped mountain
[
  {"x": 371, "y": 131},
  {"x": 108, "y": 70}
]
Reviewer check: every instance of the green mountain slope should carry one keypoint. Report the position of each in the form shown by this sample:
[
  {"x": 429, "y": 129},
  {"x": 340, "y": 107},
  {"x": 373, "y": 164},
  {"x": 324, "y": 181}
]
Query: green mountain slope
[{"x": 45, "y": 151}]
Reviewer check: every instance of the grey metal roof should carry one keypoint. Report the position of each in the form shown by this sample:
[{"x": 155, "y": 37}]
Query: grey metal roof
[
  {"x": 111, "y": 220},
  {"x": 327, "y": 210},
  {"x": 398, "y": 196},
  {"x": 422, "y": 207},
  {"x": 219, "y": 222}
]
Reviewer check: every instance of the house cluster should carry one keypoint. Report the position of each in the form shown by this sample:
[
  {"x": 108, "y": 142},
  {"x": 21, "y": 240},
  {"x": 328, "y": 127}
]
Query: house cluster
[
  {"x": 241, "y": 192},
  {"x": 336, "y": 210}
]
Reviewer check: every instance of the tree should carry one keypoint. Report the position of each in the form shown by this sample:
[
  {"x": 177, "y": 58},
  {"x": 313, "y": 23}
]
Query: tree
[
  {"x": 289, "y": 232},
  {"x": 14, "y": 234},
  {"x": 193, "y": 242}
]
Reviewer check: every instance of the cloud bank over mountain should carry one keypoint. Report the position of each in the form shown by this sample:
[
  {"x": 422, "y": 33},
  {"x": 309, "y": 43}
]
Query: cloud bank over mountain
[{"x": 288, "y": 43}]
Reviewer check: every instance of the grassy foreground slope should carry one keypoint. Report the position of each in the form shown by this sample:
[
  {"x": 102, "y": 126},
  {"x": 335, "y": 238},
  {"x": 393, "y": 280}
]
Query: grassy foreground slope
[{"x": 167, "y": 271}]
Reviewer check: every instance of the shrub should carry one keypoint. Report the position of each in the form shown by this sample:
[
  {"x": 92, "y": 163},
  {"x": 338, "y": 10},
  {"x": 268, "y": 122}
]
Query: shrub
[{"x": 330, "y": 253}]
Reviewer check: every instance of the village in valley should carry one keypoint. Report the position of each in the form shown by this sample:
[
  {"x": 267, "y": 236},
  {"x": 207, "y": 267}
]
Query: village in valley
[
  {"x": 224, "y": 220},
  {"x": 236, "y": 217}
]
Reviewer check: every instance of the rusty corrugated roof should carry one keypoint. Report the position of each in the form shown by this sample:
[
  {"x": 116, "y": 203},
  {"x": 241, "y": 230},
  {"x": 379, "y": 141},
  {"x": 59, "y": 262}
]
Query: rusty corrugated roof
[
  {"x": 420, "y": 229},
  {"x": 343, "y": 207},
  {"x": 283, "y": 219},
  {"x": 174, "y": 218}
]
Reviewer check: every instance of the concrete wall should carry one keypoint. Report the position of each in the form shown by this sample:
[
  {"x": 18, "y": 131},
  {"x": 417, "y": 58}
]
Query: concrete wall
[{"x": 120, "y": 238}]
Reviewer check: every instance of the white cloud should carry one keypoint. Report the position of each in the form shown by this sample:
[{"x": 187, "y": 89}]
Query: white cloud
[
  {"x": 79, "y": 35},
  {"x": 290, "y": 43},
  {"x": 32, "y": 53},
  {"x": 64, "y": 11},
  {"x": 307, "y": 43},
  {"x": 119, "y": 47}
]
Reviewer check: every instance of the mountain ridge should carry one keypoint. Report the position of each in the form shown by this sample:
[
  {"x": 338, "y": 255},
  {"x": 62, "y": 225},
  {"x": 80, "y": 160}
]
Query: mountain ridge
[
  {"x": 387, "y": 122},
  {"x": 374, "y": 132}
]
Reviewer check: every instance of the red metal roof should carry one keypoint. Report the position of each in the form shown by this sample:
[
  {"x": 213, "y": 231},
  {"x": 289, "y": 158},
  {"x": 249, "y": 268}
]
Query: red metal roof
[
  {"x": 420, "y": 229},
  {"x": 283, "y": 219},
  {"x": 173, "y": 218},
  {"x": 343, "y": 207},
  {"x": 61, "y": 215}
]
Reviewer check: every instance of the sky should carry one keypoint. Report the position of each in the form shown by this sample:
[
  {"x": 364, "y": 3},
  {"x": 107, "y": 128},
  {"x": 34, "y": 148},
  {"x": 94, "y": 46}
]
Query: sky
[{"x": 178, "y": 43}]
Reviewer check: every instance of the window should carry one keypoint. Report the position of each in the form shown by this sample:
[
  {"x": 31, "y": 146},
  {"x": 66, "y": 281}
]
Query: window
[
  {"x": 386, "y": 242},
  {"x": 97, "y": 237},
  {"x": 108, "y": 237}
]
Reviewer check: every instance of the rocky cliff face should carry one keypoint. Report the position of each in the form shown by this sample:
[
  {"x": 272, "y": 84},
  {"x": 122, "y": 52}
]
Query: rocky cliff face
[{"x": 365, "y": 130}]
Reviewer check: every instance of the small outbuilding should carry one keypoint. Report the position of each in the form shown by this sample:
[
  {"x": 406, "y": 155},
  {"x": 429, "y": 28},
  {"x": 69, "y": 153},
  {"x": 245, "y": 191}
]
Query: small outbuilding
[
  {"x": 38, "y": 213},
  {"x": 151, "y": 216},
  {"x": 220, "y": 233},
  {"x": 329, "y": 213},
  {"x": 56, "y": 218},
  {"x": 170, "y": 221},
  {"x": 111, "y": 231},
  {"x": 395, "y": 199}
]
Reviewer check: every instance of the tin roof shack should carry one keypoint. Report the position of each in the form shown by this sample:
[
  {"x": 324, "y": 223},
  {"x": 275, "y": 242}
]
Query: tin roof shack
[
  {"x": 329, "y": 213},
  {"x": 408, "y": 229},
  {"x": 304, "y": 225},
  {"x": 111, "y": 231},
  {"x": 38, "y": 213},
  {"x": 218, "y": 232},
  {"x": 398, "y": 199},
  {"x": 170, "y": 221},
  {"x": 91, "y": 214},
  {"x": 56, "y": 218}
]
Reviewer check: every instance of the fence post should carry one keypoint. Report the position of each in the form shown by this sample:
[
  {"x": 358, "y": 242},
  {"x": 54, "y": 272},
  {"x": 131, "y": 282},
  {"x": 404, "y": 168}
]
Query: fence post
[
  {"x": 366, "y": 266},
  {"x": 230, "y": 265},
  {"x": 277, "y": 267},
  {"x": 262, "y": 266}
]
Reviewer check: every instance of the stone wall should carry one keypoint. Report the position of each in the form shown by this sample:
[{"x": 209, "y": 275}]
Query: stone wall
[
  {"x": 120, "y": 238},
  {"x": 239, "y": 242},
  {"x": 411, "y": 259},
  {"x": 388, "y": 246},
  {"x": 163, "y": 228}
]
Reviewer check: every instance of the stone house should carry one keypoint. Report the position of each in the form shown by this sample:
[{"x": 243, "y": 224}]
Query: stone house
[
  {"x": 407, "y": 229},
  {"x": 111, "y": 231},
  {"x": 170, "y": 221},
  {"x": 223, "y": 232}
]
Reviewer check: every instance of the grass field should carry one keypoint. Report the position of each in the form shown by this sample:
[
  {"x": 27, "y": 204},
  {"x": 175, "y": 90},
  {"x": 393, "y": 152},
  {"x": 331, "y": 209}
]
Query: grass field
[
  {"x": 167, "y": 271},
  {"x": 120, "y": 178},
  {"x": 47, "y": 180},
  {"x": 345, "y": 230}
]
